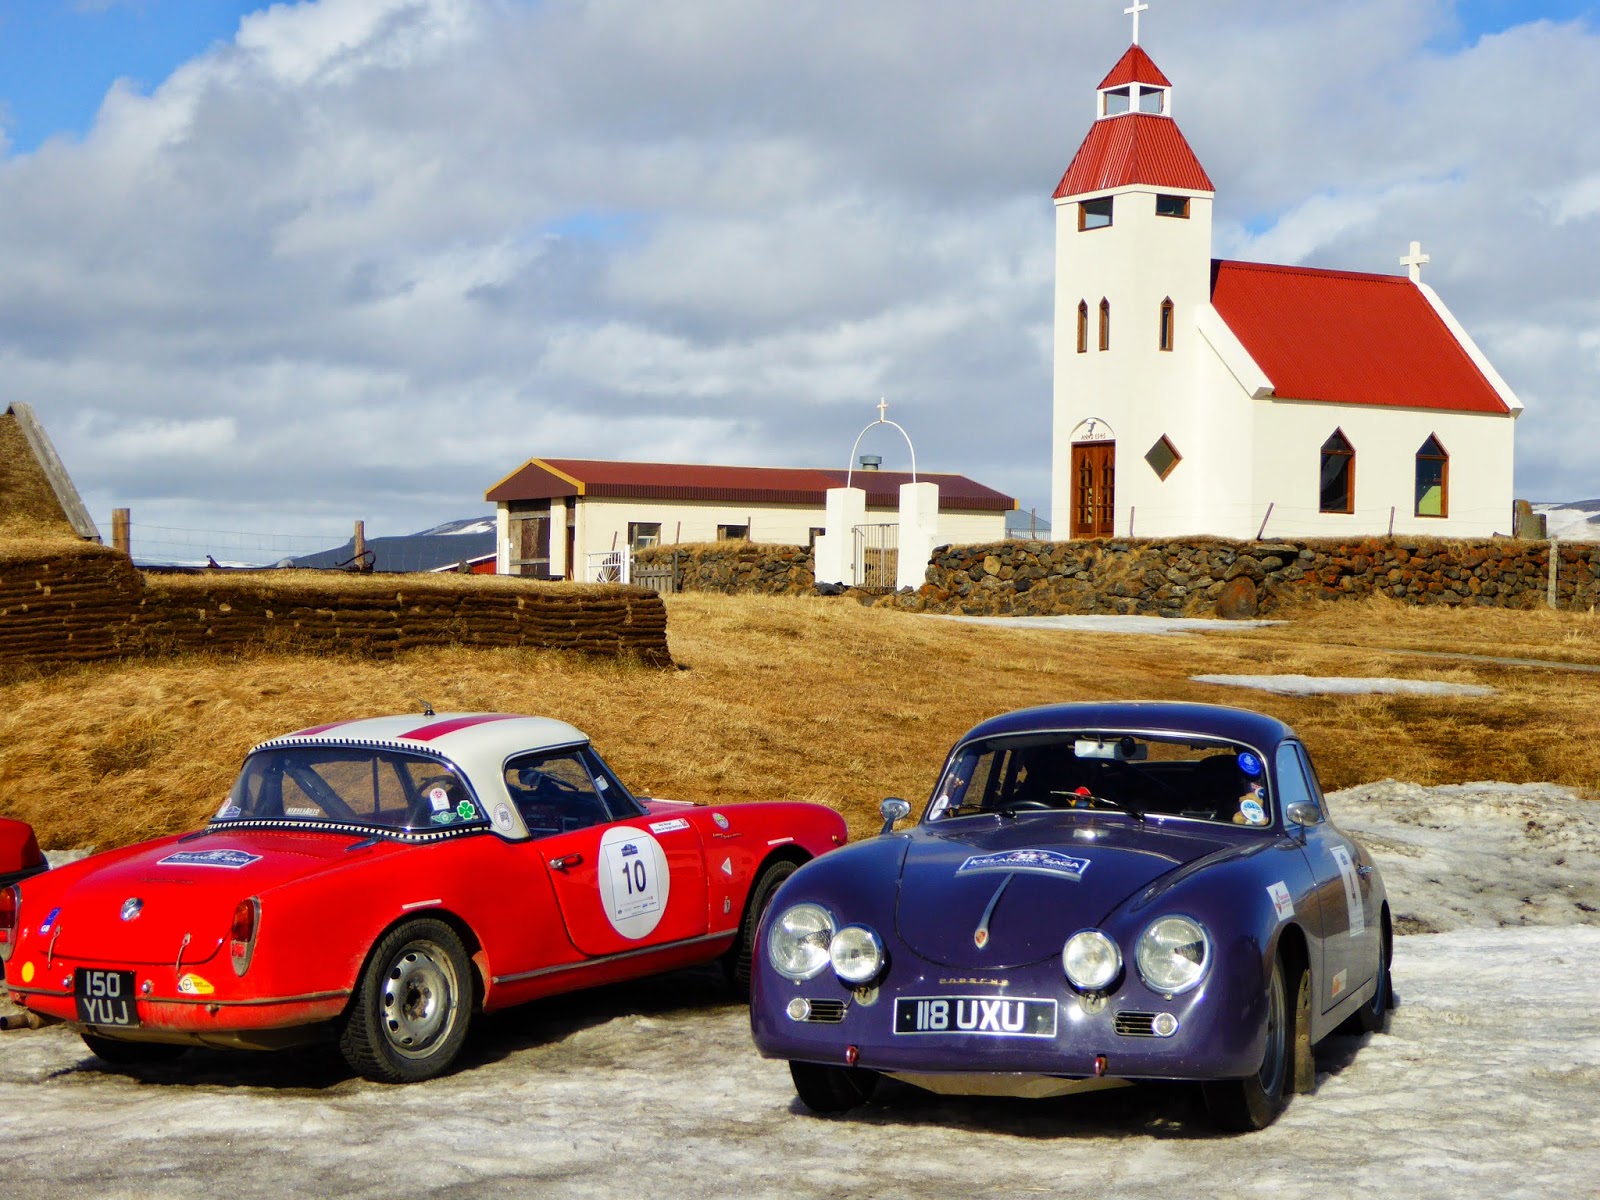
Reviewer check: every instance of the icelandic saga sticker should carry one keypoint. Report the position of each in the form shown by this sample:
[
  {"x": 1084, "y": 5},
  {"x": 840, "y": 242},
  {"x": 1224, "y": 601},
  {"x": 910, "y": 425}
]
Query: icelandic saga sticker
[
  {"x": 1282, "y": 902},
  {"x": 1352, "y": 890},
  {"x": 1249, "y": 763},
  {"x": 671, "y": 826},
  {"x": 634, "y": 881},
  {"x": 1026, "y": 862},
  {"x": 230, "y": 860}
]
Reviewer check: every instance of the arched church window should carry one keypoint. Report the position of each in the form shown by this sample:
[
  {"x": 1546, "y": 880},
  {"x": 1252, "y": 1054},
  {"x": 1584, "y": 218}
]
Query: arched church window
[
  {"x": 1166, "y": 323},
  {"x": 1083, "y": 327},
  {"x": 1105, "y": 324},
  {"x": 1337, "y": 480},
  {"x": 1433, "y": 479}
]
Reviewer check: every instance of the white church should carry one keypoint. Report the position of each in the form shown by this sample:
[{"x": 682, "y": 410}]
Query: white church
[{"x": 1201, "y": 396}]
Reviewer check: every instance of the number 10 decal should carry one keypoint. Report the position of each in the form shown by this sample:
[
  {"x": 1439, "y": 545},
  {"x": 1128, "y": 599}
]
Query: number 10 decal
[{"x": 634, "y": 881}]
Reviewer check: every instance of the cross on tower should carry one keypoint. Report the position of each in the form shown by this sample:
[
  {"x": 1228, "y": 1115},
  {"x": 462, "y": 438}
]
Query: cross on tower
[
  {"x": 1414, "y": 261},
  {"x": 883, "y": 409},
  {"x": 1134, "y": 13}
]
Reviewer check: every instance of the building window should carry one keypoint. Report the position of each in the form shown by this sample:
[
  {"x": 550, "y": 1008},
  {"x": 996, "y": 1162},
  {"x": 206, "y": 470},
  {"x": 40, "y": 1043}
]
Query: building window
[
  {"x": 733, "y": 533},
  {"x": 1163, "y": 457},
  {"x": 1094, "y": 214},
  {"x": 1166, "y": 324},
  {"x": 1105, "y": 324},
  {"x": 1433, "y": 479},
  {"x": 1083, "y": 327},
  {"x": 1172, "y": 206},
  {"x": 1115, "y": 101},
  {"x": 1338, "y": 476},
  {"x": 644, "y": 533},
  {"x": 1152, "y": 100}
]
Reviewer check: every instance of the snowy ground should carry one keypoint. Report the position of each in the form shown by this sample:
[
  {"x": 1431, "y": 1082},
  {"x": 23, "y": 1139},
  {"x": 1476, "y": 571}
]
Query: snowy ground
[
  {"x": 1344, "y": 685},
  {"x": 1484, "y": 1087}
]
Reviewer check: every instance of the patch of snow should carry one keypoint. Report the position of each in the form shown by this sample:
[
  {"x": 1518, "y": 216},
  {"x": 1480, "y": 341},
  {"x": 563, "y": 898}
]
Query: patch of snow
[
  {"x": 1572, "y": 520},
  {"x": 1111, "y": 624},
  {"x": 1332, "y": 685},
  {"x": 458, "y": 526}
]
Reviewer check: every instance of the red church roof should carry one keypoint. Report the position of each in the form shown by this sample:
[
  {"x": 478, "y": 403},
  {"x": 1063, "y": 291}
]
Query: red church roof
[
  {"x": 540, "y": 478},
  {"x": 1135, "y": 67},
  {"x": 1348, "y": 338},
  {"x": 1133, "y": 148}
]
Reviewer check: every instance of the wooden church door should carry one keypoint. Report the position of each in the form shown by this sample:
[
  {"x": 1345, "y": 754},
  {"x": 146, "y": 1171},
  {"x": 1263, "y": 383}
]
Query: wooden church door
[{"x": 1094, "y": 477}]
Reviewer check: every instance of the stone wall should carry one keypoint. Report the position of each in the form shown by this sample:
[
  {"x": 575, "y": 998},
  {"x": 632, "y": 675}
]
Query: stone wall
[
  {"x": 84, "y": 603},
  {"x": 730, "y": 567},
  {"x": 1205, "y": 577}
]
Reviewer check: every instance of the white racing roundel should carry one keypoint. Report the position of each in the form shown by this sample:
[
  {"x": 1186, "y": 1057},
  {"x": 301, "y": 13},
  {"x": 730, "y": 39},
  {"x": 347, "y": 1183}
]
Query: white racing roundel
[{"x": 634, "y": 881}]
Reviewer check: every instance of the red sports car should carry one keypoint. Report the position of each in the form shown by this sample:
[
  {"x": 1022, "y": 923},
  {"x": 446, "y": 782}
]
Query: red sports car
[
  {"x": 19, "y": 852},
  {"x": 380, "y": 881}
]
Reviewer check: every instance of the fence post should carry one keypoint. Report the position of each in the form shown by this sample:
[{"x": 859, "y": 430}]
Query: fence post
[
  {"x": 121, "y": 519},
  {"x": 1550, "y": 586},
  {"x": 358, "y": 541}
]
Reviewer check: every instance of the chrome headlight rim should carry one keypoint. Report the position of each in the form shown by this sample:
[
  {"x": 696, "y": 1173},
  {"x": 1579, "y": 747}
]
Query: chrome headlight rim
[
  {"x": 782, "y": 935},
  {"x": 852, "y": 938},
  {"x": 1108, "y": 975},
  {"x": 1145, "y": 952}
]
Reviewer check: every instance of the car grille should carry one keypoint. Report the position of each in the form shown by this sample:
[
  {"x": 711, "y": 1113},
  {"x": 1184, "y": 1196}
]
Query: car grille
[
  {"x": 1135, "y": 1024},
  {"x": 826, "y": 1012}
]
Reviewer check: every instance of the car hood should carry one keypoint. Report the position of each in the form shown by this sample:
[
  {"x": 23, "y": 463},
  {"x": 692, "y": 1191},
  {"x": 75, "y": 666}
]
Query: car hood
[
  {"x": 185, "y": 889},
  {"x": 980, "y": 894}
]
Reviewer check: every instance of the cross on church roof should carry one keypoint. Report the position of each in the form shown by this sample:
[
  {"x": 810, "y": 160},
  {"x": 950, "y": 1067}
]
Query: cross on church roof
[
  {"x": 883, "y": 409},
  {"x": 1415, "y": 261},
  {"x": 1134, "y": 13}
]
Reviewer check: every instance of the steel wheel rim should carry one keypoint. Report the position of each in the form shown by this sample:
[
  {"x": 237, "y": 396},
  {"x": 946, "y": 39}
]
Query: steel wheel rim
[
  {"x": 1275, "y": 1061},
  {"x": 418, "y": 1000}
]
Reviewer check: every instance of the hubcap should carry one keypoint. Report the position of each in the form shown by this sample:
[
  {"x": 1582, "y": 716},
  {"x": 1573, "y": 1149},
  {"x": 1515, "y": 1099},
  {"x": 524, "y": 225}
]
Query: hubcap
[{"x": 419, "y": 994}]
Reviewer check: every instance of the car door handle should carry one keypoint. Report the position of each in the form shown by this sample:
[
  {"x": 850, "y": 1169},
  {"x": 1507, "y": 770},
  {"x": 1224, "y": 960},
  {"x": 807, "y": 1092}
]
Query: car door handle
[{"x": 565, "y": 861}]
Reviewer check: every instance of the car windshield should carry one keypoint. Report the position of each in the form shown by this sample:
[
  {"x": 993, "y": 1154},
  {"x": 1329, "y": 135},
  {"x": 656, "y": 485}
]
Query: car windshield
[
  {"x": 386, "y": 790},
  {"x": 1199, "y": 778}
]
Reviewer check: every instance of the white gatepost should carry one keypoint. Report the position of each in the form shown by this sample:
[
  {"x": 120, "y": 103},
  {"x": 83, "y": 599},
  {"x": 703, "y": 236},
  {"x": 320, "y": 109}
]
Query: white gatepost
[
  {"x": 833, "y": 557},
  {"x": 919, "y": 533}
]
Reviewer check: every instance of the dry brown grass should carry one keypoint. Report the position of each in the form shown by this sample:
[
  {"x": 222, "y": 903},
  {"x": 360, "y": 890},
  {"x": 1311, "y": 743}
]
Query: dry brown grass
[
  {"x": 805, "y": 698},
  {"x": 28, "y": 506}
]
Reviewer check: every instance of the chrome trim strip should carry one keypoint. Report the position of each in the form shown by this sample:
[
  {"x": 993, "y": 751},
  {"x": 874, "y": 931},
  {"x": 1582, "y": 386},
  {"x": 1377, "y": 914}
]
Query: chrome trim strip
[
  {"x": 608, "y": 958},
  {"x": 212, "y": 1001}
]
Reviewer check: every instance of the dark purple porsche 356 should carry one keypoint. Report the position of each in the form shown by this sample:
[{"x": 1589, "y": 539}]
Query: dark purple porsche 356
[{"x": 1096, "y": 894}]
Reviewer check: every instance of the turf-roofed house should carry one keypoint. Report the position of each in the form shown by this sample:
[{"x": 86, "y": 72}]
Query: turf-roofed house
[{"x": 1196, "y": 395}]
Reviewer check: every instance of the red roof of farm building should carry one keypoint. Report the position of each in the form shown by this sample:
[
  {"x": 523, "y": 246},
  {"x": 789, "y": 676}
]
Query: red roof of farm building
[
  {"x": 1133, "y": 148},
  {"x": 1349, "y": 338},
  {"x": 1135, "y": 66},
  {"x": 540, "y": 478}
]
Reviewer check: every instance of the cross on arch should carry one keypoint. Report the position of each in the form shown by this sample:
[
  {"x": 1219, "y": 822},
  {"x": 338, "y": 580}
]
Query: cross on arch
[
  {"x": 883, "y": 411},
  {"x": 1134, "y": 13}
]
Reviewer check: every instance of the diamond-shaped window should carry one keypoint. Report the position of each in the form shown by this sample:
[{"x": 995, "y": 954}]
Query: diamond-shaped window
[{"x": 1163, "y": 457}]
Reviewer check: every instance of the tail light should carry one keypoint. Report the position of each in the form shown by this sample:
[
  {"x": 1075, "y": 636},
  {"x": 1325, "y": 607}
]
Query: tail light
[
  {"x": 242, "y": 934},
  {"x": 10, "y": 907}
]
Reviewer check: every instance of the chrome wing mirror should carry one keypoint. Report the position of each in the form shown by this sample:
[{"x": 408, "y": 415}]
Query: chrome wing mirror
[
  {"x": 1302, "y": 813},
  {"x": 893, "y": 809}
]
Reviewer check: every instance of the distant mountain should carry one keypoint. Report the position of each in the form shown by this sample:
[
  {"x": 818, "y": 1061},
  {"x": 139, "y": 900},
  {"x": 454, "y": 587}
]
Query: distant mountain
[
  {"x": 1571, "y": 520},
  {"x": 469, "y": 525},
  {"x": 439, "y": 548}
]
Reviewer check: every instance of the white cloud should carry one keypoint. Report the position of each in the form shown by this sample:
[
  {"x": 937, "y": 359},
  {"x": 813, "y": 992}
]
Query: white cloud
[{"x": 401, "y": 245}]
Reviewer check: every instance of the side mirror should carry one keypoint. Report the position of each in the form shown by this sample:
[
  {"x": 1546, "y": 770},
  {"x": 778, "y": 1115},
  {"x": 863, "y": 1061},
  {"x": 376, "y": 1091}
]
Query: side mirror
[
  {"x": 1302, "y": 813},
  {"x": 893, "y": 809}
]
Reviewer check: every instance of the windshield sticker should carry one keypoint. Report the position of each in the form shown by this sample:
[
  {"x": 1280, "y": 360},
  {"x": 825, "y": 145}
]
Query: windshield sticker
[
  {"x": 1251, "y": 811},
  {"x": 303, "y": 810},
  {"x": 466, "y": 811},
  {"x": 230, "y": 812},
  {"x": 671, "y": 826},
  {"x": 1282, "y": 902},
  {"x": 438, "y": 798},
  {"x": 443, "y": 818},
  {"x": 1249, "y": 763},
  {"x": 194, "y": 985},
  {"x": 502, "y": 816},
  {"x": 1352, "y": 891},
  {"x": 634, "y": 881},
  {"x": 1027, "y": 862},
  {"x": 50, "y": 920},
  {"x": 231, "y": 860}
]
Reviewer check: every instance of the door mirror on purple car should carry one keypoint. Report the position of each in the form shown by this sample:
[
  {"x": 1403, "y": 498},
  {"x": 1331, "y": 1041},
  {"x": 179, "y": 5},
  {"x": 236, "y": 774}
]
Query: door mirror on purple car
[
  {"x": 1302, "y": 813},
  {"x": 893, "y": 809}
]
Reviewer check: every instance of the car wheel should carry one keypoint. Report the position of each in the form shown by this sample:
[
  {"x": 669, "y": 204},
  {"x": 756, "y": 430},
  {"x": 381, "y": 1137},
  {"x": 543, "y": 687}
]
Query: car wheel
[
  {"x": 825, "y": 1089},
  {"x": 131, "y": 1054},
  {"x": 740, "y": 961},
  {"x": 412, "y": 1005},
  {"x": 1255, "y": 1101},
  {"x": 1373, "y": 1016}
]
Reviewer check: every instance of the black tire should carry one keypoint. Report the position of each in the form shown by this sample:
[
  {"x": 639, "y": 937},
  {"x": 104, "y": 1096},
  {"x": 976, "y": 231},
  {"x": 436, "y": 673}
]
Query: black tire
[
  {"x": 412, "y": 1006},
  {"x": 825, "y": 1089},
  {"x": 1373, "y": 1016},
  {"x": 1254, "y": 1102},
  {"x": 131, "y": 1054},
  {"x": 739, "y": 963}
]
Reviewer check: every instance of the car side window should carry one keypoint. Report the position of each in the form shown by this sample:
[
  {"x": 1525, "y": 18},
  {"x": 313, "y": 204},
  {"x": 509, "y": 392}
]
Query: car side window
[
  {"x": 1312, "y": 781},
  {"x": 555, "y": 793},
  {"x": 1293, "y": 787},
  {"x": 618, "y": 800}
]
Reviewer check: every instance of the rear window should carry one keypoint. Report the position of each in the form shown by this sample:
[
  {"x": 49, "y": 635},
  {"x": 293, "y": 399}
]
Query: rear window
[
  {"x": 385, "y": 790},
  {"x": 1196, "y": 778}
]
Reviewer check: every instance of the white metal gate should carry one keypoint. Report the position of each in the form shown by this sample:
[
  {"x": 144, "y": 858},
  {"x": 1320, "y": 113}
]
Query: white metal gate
[
  {"x": 609, "y": 566},
  {"x": 877, "y": 556}
]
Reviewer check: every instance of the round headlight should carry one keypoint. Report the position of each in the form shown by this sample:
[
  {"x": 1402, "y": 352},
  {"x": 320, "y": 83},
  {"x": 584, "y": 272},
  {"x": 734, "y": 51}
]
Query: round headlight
[
  {"x": 857, "y": 955},
  {"x": 1173, "y": 954},
  {"x": 797, "y": 943},
  {"x": 1091, "y": 960}
]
